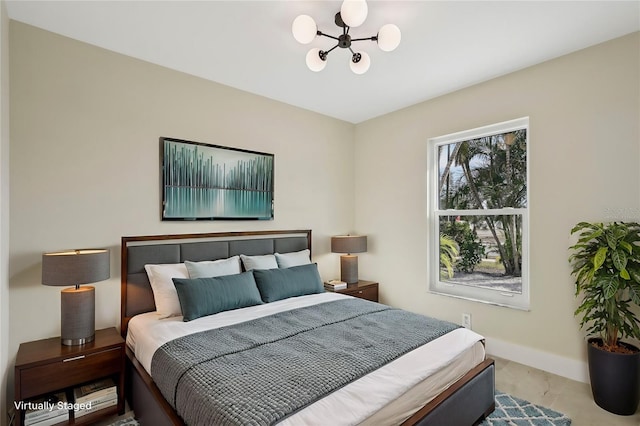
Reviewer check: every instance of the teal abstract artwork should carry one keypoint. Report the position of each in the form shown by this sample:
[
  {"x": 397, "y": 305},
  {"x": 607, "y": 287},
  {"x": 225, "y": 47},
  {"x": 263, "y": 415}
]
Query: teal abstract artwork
[{"x": 209, "y": 182}]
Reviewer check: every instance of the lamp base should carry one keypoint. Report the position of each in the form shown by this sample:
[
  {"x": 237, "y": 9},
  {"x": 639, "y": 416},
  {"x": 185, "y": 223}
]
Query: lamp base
[
  {"x": 77, "y": 315},
  {"x": 349, "y": 268},
  {"x": 77, "y": 342}
]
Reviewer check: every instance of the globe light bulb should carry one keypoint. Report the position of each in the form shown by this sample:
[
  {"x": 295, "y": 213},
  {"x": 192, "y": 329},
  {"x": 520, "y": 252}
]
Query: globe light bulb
[
  {"x": 362, "y": 65},
  {"x": 304, "y": 29},
  {"x": 354, "y": 12},
  {"x": 389, "y": 37},
  {"x": 314, "y": 61}
]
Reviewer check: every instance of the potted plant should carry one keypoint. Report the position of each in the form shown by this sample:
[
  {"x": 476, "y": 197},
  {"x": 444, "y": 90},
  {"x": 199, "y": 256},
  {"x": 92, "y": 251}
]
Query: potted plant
[{"x": 606, "y": 268}]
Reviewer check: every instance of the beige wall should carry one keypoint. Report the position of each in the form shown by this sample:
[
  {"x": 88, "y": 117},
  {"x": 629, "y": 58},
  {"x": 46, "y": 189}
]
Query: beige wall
[
  {"x": 85, "y": 169},
  {"x": 584, "y": 150},
  {"x": 4, "y": 207}
]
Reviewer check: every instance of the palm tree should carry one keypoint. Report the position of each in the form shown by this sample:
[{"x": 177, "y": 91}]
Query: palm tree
[{"x": 466, "y": 153}]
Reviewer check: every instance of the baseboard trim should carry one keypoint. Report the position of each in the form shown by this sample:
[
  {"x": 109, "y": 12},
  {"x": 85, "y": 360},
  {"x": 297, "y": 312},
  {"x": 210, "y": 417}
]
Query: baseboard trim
[{"x": 545, "y": 361}]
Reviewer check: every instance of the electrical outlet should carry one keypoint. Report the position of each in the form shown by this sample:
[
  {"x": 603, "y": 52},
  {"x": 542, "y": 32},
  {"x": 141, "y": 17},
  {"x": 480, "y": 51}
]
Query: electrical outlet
[{"x": 466, "y": 321}]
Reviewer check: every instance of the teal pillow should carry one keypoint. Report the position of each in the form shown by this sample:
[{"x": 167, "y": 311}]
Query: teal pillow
[
  {"x": 200, "y": 297},
  {"x": 277, "y": 284}
]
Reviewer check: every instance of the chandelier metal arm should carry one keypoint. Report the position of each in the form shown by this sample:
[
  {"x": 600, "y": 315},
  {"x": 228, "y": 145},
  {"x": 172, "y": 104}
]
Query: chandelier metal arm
[
  {"x": 320, "y": 33},
  {"x": 372, "y": 38},
  {"x": 326, "y": 52}
]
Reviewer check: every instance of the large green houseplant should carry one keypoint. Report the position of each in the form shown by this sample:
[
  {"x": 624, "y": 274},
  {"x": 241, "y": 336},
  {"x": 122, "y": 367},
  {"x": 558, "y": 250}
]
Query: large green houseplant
[{"x": 606, "y": 266}]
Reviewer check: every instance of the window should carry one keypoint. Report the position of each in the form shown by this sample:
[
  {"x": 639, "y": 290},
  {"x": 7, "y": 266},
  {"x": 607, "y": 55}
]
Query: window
[{"x": 479, "y": 214}]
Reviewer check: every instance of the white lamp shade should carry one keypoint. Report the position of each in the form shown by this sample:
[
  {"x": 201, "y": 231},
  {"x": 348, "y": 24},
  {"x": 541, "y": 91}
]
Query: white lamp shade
[
  {"x": 362, "y": 65},
  {"x": 389, "y": 37},
  {"x": 354, "y": 12},
  {"x": 313, "y": 60},
  {"x": 304, "y": 29}
]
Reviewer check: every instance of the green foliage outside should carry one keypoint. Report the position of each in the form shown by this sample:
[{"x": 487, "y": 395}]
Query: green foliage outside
[
  {"x": 489, "y": 173},
  {"x": 448, "y": 255},
  {"x": 471, "y": 253},
  {"x": 606, "y": 266},
  {"x": 471, "y": 250}
]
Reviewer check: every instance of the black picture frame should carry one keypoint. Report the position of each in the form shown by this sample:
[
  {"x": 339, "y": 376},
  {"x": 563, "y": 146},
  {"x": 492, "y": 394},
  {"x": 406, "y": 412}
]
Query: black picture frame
[{"x": 202, "y": 181}]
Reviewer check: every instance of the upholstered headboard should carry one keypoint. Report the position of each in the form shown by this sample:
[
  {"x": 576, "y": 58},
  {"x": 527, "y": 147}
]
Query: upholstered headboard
[{"x": 137, "y": 251}]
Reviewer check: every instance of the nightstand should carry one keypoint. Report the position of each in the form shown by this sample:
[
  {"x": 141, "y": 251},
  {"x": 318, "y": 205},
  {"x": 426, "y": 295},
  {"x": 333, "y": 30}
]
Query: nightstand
[
  {"x": 46, "y": 366},
  {"x": 363, "y": 289}
]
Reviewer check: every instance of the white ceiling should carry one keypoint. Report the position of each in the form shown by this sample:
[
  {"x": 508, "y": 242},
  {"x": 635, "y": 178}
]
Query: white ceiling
[{"x": 446, "y": 45}]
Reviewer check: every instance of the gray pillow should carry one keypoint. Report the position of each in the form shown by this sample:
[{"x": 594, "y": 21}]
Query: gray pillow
[
  {"x": 267, "y": 261},
  {"x": 200, "y": 297},
  {"x": 296, "y": 258},
  {"x": 214, "y": 268},
  {"x": 277, "y": 284}
]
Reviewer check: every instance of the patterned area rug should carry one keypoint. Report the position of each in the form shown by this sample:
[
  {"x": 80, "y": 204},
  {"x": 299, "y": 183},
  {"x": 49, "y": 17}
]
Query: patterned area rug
[
  {"x": 126, "y": 422},
  {"x": 510, "y": 411}
]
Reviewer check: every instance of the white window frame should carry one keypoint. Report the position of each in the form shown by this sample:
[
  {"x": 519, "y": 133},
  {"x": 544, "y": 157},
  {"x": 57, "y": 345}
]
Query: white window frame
[{"x": 479, "y": 294}]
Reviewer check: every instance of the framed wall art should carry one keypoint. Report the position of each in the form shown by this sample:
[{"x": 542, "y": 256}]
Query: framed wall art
[{"x": 212, "y": 182}]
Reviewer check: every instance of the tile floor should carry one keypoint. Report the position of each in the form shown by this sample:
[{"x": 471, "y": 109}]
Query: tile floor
[{"x": 558, "y": 393}]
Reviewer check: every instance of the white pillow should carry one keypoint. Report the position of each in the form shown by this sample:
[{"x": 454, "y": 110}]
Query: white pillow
[
  {"x": 214, "y": 268},
  {"x": 297, "y": 258},
  {"x": 164, "y": 292},
  {"x": 267, "y": 261}
]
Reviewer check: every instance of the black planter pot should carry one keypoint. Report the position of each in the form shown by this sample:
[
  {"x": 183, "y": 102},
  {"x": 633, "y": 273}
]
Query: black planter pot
[{"x": 615, "y": 379}]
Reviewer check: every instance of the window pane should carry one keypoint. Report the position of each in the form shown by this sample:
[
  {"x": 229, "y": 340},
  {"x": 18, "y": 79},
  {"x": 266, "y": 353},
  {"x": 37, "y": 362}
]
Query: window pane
[
  {"x": 487, "y": 172},
  {"x": 482, "y": 251}
]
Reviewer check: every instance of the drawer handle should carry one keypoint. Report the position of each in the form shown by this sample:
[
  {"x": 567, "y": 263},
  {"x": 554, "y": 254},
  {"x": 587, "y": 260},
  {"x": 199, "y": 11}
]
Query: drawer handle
[
  {"x": 73, "y": 359},
  {"x": 360, "y": 292}
]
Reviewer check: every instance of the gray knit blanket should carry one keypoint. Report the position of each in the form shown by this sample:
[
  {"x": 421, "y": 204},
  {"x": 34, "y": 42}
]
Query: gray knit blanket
[{"x": 261, "y": 371}]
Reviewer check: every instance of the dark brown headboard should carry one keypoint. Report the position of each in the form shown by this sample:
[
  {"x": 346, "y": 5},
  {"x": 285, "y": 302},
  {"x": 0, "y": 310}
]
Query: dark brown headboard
[{"x": 137, "y": 251}]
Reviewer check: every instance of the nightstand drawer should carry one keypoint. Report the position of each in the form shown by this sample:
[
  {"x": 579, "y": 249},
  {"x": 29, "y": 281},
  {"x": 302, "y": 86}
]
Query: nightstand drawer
[
  {"x": 369, "y": 293},
  {"x": 68, "y": 372}
]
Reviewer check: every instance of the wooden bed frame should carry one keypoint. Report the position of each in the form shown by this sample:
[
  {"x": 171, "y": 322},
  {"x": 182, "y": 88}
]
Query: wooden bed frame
[{"x": 467, "y": 402}]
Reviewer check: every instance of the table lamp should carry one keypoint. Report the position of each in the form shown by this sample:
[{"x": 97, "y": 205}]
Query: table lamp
[
  {"x": 348, "y": 262},
  {"x": 75, "y": 267}
]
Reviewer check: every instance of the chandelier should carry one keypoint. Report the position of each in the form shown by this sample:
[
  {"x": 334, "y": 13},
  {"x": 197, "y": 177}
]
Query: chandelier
[{"x": 352, "y": 14}]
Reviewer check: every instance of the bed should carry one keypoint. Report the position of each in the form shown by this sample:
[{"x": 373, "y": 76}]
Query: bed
[{"x": 447, "y": 380}]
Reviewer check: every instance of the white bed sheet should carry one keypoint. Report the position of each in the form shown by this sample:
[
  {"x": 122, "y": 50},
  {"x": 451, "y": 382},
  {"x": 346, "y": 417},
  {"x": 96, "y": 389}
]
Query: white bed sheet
[{"x": 446, "y": 358}]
